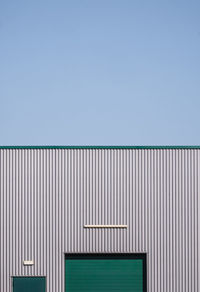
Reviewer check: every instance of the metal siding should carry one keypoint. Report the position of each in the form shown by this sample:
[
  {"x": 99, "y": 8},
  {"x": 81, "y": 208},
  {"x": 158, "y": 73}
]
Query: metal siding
[{"x": 48, "y": 195}]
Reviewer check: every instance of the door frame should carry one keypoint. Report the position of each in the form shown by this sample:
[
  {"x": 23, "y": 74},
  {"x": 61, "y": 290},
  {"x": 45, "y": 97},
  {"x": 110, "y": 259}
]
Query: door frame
[
  {"x": 141, "y": 256},
  {"x": 26, "y": 276}
]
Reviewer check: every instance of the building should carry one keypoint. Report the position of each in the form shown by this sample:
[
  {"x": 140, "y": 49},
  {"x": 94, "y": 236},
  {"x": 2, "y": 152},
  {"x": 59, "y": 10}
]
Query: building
[{"x": 99, "y": 219}]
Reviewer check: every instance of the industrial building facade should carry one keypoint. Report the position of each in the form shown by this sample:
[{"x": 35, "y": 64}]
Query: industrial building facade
[{"x": 99, "y": 219}]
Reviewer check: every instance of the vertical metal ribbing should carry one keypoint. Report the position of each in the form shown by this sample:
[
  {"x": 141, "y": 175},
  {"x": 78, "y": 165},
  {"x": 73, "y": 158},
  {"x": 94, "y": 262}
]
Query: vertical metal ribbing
[
  {"x": 47, "y": 195},
  {"x": 2, "y": 282},
  {"x": 198, "y": 219}
]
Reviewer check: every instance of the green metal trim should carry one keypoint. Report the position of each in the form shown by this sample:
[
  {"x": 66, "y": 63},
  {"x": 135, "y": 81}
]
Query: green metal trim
[{"x": 99, "y": 147}]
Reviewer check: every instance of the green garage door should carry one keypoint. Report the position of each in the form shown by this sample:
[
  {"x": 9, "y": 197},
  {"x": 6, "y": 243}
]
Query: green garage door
[
  {"x": 28, "y": 284},
  {"x": 104, "y": 275}
]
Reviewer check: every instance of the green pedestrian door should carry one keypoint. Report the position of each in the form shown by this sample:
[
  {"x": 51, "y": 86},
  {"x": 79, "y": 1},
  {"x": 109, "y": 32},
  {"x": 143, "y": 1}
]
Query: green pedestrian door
[
  {"x": 29, "y": 284},
  {"x": 104, "y": 274}
]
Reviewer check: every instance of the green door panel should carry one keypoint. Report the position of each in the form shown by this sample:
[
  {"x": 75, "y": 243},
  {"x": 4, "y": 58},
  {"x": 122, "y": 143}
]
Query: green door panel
[
  {"x": 104, "y": 275},
  {"x": 29, "y": 284}
]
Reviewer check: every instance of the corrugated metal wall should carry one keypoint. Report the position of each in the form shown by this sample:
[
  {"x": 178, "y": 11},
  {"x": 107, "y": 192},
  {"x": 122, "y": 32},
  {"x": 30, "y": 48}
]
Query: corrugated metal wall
[{"x": 47, "y": 195}]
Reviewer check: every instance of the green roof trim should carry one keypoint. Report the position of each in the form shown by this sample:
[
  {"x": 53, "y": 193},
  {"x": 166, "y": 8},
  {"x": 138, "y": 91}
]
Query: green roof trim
[{"x": 99, "y": 147}]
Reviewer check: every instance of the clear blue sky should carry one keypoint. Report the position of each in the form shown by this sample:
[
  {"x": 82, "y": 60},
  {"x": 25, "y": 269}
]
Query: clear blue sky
[{"x": 99, "y": 72}]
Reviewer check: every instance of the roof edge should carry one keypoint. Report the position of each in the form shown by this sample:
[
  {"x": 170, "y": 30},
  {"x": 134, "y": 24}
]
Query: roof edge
[{"x": 99, "y": 147}]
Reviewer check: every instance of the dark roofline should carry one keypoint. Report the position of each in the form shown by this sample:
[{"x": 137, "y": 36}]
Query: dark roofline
[{"x": 99, "y": 147}]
